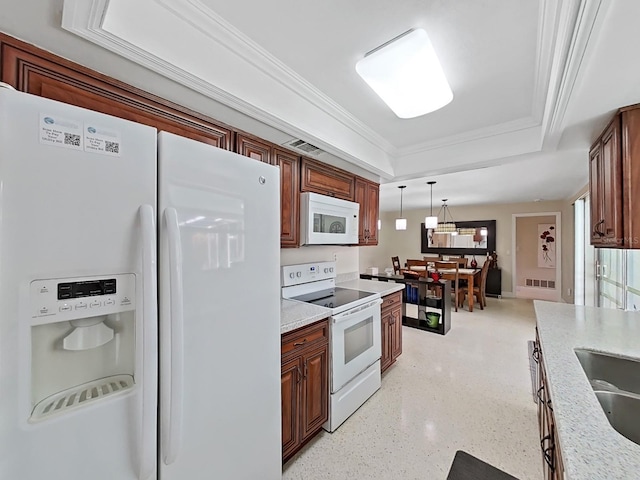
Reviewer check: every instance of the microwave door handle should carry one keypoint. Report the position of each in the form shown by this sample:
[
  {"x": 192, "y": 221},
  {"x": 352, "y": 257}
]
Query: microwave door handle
[
  {"x": 173, "y": 338},
  {"x": 149, "y": 342}
]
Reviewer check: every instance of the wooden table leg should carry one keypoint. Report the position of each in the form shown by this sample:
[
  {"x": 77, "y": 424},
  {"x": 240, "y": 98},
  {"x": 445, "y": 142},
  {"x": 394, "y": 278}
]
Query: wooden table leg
[{"x": 470, "y": 287}]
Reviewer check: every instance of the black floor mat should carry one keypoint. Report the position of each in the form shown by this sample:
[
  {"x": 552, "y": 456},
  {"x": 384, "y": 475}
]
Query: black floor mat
[{"x": 468, "y": 467}]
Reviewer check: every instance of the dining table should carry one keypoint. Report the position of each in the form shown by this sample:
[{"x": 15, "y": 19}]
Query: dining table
[{"x": 468, "y": 274}]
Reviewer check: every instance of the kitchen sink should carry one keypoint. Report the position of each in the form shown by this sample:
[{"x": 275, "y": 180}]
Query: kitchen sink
[
  {"x": 609, "y": 372},
  {"x": 623, "y": 412}
]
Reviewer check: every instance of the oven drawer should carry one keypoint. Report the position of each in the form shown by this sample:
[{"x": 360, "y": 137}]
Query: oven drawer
[
  {"x": 314, "y": 334},
  {"x": 391, "y": 300}
]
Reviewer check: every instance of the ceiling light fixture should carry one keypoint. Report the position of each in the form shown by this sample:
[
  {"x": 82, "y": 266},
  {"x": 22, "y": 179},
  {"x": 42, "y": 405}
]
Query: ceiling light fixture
[
  {"x": 444, "y": 226},
  {"x": 406, "y": 74},
  {"x": 431, "y": 221},
  {"x": 401, "y": 223}
]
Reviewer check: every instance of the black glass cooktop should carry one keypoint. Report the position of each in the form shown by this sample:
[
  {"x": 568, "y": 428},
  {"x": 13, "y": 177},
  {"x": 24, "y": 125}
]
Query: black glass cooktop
[{"x": 334, "y": 298}]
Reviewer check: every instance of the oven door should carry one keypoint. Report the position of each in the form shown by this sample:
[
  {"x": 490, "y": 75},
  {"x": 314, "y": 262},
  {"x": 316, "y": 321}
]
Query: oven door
[{"x": 355, "y": 342}]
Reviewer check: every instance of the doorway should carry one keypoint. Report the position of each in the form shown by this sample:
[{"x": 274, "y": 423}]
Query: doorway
[{"x": 537, "y": 259}]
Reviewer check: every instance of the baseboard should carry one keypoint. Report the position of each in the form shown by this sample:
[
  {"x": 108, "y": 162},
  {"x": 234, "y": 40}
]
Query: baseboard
[{"x": 537, "y": 293}]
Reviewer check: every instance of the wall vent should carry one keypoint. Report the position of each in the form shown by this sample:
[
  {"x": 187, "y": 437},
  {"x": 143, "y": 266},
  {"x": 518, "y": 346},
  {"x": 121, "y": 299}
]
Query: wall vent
[
  {"x": 534, "y": 282},
  {"x": 303, "y": 146}
]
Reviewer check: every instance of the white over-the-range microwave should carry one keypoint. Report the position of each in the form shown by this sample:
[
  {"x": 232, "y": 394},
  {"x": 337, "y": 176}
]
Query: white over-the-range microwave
[{"x": 328, "y": 221}]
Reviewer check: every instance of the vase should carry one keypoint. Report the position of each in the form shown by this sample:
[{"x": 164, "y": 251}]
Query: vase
[{"x": 474, "y": 264}]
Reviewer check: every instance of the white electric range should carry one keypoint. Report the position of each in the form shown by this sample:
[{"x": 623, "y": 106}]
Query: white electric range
[{"x": 355, "y": 334}]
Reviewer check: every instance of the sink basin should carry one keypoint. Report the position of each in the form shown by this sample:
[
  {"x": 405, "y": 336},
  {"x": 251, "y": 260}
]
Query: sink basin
[
  {"x": 623, "y": 413},
  {"x": 608, "y": 372}
]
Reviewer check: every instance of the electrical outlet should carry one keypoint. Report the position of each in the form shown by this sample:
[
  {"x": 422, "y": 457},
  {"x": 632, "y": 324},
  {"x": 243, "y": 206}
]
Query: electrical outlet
[
  {"x": 335, "y": 257},
  {"x": 568, "y": 292}
]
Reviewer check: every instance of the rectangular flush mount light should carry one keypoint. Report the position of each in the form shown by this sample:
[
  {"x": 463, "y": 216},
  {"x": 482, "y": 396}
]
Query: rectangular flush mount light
[{"x": 406, "y": 74}]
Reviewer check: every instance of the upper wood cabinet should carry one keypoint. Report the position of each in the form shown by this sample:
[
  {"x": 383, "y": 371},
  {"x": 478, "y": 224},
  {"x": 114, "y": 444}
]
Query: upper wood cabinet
[
  {"x": 32, "y": 70},
  {"x": 367, "y": 195},
  {"x": 253, "y": 147},
  {"x": 320, "y": 178},
  {"x": 289, "y": 165},
  {"x": 614, "y": 180}
]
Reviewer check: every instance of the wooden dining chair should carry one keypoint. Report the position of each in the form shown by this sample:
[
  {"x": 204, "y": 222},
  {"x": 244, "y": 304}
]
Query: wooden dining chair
[
  {"x": 456, "y": 290},
  {"x": 397, "y": 269},
  {"x": 417, "y": 263},
  {"x": 479, "y": 290},
  {"x": 462, "y": 261}
]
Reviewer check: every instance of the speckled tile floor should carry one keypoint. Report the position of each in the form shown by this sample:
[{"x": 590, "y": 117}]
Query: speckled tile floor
[{"x": 469, "y": 390}]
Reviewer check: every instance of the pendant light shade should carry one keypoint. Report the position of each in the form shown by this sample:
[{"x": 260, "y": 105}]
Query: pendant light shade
[
  {"x": 445, "y": 226},
  {"x": 430, "y": 221},
  {"x": 401, "y": 223}
]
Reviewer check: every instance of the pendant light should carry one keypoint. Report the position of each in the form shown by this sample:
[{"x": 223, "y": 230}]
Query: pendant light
[
  {"x": 444, "y": 226},
  {"x": 431, "y": 221},
  {"x": 401, "y": 223}
]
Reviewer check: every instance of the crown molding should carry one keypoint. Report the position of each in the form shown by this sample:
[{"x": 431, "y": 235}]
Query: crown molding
[
  {"x": 580, "y": 20},
  {"x": 563, "y": 34}
]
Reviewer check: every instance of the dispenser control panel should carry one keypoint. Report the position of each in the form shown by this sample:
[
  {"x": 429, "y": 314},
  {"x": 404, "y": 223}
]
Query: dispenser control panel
[{"x": 60, "y": 299}]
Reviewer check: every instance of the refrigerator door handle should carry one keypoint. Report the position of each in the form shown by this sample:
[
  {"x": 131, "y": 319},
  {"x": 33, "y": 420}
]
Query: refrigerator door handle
[
  {"x": 149, "y": 343},
  {"x": 171, "y": 395}
]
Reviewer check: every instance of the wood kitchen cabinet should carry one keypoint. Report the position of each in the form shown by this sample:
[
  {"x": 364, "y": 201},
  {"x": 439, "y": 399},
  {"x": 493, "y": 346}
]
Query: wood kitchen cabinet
[
  {"x": 391, "y": 316},
  {"x": 367, "y": 195},
  {"x": 289, "y": 165},
  {"x": 253, "y": 147},
  {"x": 553, "y": 468},
  {"x": 304, "y": 385},
  {"x": 32, "y": 70},
  {"x": 318, "y": 177},
  {"x": 614, "y": 182}
]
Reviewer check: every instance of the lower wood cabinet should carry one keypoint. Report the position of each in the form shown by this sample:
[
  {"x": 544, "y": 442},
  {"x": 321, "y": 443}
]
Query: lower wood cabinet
[
  {"x": 552, "y": 466},
  {"x": 391, "y": 329},
  {"x": 304, "y": 385}
]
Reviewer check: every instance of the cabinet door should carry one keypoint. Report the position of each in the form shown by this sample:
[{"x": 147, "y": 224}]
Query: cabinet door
[
  {"x": 595, "y": 193},
  {"x": 612, "y": 185},
  {"x": 386, "y": 359},
  {"x": 289, "y": 165},
  {"x": 396, "y": 333},
  {"x": 320, "y": 178},
  {"x": 32, "y": 70},
  {"x": 315, "y": 390},
  {"x": 366, "y": 195},
  {"x": 253, "y": 147},
  {"x": 361, "y": 198},
  {"x": 372, "y": 212},
  {"x": 290, "y": 377}
]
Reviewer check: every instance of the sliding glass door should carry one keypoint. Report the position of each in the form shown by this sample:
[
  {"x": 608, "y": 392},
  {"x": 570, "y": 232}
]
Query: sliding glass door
[{"x": 611, "y": 277}]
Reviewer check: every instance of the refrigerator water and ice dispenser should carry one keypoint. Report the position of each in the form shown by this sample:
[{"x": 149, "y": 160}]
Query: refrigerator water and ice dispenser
[{"x": 82, "y": 342}]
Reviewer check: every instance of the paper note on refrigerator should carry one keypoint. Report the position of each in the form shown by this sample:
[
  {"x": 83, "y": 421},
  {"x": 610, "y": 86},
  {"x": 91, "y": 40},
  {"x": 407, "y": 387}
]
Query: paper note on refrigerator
[
  {"x": 101, "y": 140},
  {"x": 60, "y": 132}
]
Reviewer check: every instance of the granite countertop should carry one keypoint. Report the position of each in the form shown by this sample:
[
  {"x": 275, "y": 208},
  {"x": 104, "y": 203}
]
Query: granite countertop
[
  {"x": 295, "y": 314},
  {"x": 591, "y": 448}
]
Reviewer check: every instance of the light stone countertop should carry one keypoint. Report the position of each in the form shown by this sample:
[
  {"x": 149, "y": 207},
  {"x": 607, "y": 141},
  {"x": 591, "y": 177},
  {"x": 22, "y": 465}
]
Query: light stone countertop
[
  {"x": 295, "y": 314},
  {"x": 591, "y": 448},
  {"x": 373, "y": 286}
]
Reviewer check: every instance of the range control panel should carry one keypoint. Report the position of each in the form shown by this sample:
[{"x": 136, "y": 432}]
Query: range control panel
[
  {"x": 307, "y": 272},
  {"x": 57, "y": 300}
]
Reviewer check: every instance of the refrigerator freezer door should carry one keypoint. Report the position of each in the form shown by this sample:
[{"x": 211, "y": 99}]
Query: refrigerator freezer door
[
  {"x": 223, "y": 266},
  {"x": 71, "y": 184}
]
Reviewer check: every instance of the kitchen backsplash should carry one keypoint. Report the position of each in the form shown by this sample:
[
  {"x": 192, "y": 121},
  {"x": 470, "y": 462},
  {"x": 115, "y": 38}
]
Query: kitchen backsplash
[{"x": 346, "y": 258}]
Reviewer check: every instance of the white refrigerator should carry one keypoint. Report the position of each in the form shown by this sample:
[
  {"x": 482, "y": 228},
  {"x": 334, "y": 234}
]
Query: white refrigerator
[{"x": 139, "y": 302}]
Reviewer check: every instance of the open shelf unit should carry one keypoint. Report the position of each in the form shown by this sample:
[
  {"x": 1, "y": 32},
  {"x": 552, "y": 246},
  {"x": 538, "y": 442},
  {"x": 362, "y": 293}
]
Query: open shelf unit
[{"x": 418, "y": 299}]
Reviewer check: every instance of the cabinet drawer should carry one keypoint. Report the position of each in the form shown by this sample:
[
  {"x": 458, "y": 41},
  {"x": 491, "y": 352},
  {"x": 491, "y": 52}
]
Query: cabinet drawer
[
  {"x": 392, "y": 300},
  {"x": 314, "y": 334}
]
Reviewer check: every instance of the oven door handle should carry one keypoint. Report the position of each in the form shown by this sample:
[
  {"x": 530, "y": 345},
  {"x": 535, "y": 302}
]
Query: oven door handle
[{"x": 344, "y": 316}]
